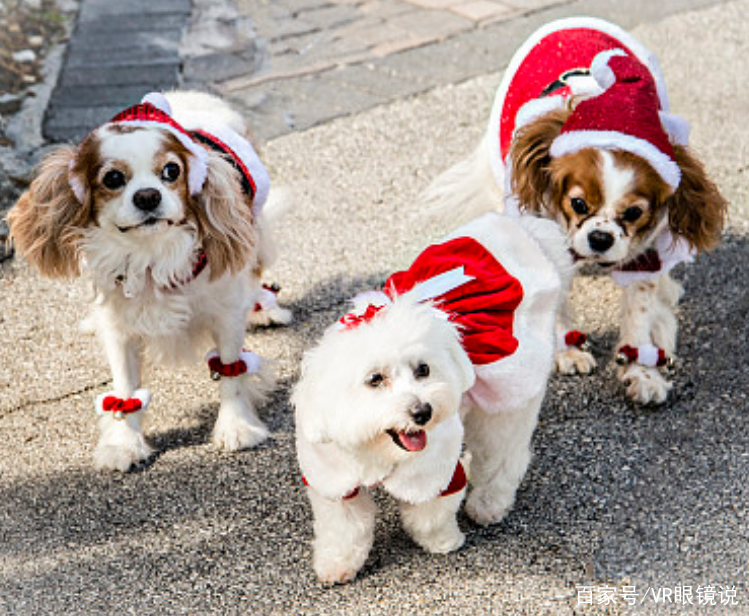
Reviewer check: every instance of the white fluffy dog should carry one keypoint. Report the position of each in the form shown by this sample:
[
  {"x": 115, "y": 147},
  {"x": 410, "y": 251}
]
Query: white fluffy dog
[
  {"x": 464, "y": 337},
  {"x": 161, "y": 209}
]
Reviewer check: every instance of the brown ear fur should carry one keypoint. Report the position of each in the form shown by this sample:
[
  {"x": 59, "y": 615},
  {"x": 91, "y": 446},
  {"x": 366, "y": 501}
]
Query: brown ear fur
[
  {"x": 697, "y": 210},
  {"x": 530, "y": 159},
  {"x": 47, "y": 221},
  {"x": 225, "y": 220}
]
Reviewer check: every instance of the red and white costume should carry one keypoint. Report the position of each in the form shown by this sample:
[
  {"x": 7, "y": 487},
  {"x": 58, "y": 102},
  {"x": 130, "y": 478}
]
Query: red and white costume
[{"x": 590, "y": 59}]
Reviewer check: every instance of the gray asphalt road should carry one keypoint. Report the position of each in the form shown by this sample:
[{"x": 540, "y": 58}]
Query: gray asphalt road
[{"x": 616, "y": 495}]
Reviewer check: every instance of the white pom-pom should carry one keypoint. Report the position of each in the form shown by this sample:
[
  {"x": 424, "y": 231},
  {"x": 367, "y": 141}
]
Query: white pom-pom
[{"x": 158, "y": 100}]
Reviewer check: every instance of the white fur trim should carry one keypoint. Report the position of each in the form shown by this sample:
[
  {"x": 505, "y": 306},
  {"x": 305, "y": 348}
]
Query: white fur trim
[
  {"x": 676, "y": 127},
  {"x": 568, "y": 143},
  {"x": 438, "y": 285},
  {"x": 640, "y": 52},
  {"x": 251, "y": 360},
  {"x": 158, "y": 100},
  {"x": 647, "y": 355},
  {"x": 536, "y": 108},
  {"x": 141, "y": 394},
  {"x": 601, "y": 70}
]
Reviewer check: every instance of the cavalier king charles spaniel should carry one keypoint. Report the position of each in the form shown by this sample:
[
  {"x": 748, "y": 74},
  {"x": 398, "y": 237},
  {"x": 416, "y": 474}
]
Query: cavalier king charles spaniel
[
  {"x": 581, "y": 133},
  {"x": 161, "y": 208}
]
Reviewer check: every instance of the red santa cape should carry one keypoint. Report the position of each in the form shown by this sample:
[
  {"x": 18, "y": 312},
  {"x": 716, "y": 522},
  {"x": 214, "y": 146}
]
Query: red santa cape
[{"x": 582, "y": 57}]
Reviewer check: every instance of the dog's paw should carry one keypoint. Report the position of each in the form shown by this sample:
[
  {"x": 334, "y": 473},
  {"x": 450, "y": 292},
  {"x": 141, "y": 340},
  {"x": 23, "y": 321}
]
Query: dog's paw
[
  {"x": 645, "y": 385},
  {"x": 234, "y": 434},
  {"x": 574, "y": 361},
  {"x": 121, "y": 457},
  {"x": 334, "y": 572},
  {"x": 270, "y": 317},
  {"x": 487, "y": 508},
  {"x": 441, "y": 541}
]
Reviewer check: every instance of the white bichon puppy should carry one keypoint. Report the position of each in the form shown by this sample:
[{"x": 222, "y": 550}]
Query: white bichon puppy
[{"x": 464, "y": 338}]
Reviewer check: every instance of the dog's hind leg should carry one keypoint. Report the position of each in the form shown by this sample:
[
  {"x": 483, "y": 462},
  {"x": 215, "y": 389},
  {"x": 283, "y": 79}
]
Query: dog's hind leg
[
  {"x": 500, "y": 445},
  {"x": 344, "y": 532},
  {"x": 121, "y": 442}
]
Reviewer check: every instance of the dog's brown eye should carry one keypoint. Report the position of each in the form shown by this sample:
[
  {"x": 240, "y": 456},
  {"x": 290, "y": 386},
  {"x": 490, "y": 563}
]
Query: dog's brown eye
[
  {"x": 579, "y": 205},
  {"x": 170, "y": 172},
  {"x": 421, "y": 371},
  {"x": 631, "y": 214},
  {"x": 374, "y": 380},
  {"x": 113, "y": 179}
]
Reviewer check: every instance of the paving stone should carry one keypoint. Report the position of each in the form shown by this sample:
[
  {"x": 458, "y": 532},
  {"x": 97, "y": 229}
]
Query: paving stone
[
  {"x": 435, "y": 24},
  {"x": 106, "y": 95},
  {"x": 74, "y": 123},
  {"x": 96, "y": 9},
  {"x": 148, "y": 55},
  {"x": 138, "y": 22},
  {"x": 93, "y": 42},
  {"x": 484, "y": 10},
  {"x": 168, "y": 74},
  {"x": 220, "y": 66}
]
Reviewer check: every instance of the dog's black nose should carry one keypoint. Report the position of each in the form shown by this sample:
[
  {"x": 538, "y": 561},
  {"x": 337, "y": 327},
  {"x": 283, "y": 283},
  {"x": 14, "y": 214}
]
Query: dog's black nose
[
  {"x": 600, "y": 241},
  {"x": 147, "y": 199},
  {"x": 422, "y": 413}
]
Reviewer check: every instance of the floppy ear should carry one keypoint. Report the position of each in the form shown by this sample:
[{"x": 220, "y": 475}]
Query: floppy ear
[
  {"x": 697, "y": 210},
  {"x": 463, "y": 366},
  {"x": 47, "y": 222},
  {"x": 225, "y": 219},
  {"x": 530, "y": 159},
  {"x": 310, "y": 399}
]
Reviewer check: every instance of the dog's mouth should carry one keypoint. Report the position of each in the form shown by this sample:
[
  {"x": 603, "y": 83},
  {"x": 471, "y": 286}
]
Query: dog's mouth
[
  {"x": 409, "y": 440},
  {"x": 150, "y": 223},
  {"x": 592, "y": 260}
]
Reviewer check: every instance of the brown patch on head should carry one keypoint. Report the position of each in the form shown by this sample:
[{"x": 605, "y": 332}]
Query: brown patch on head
[
  {"x": 173, "y": 155},
  {"x": 639, "y": 210},
  {"x": 576, "y": 189}
]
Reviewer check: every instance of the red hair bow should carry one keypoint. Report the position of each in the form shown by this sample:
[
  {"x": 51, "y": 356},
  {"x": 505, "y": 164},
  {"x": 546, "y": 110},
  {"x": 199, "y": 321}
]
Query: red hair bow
[{"x": 351, "y": 320}]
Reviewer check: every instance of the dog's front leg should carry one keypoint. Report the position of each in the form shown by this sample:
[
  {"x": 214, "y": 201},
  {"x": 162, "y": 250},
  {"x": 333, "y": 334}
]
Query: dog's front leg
[
  {"x": 237, "y": 425},
  {"x": 570, "y": 357},
  {"x": 434, "y": 525},
  {"x": 121, "y": 442},
  {"x": 648, "y": 320},
  {"x": 344, "y": 532},
  {"x": 500, "y": 446}
]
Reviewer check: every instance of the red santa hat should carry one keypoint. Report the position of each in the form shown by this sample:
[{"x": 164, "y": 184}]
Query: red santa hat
[
  {"x": 154, "y": 110},
  {"x": 625, "y": 116}
]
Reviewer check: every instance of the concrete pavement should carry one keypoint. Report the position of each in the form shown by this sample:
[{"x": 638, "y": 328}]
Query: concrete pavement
[{"x": 616, "y": 495}]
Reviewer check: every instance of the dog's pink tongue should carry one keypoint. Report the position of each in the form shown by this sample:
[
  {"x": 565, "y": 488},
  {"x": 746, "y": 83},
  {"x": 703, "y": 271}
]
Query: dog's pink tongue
[{"x": 413, "y": 441}]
